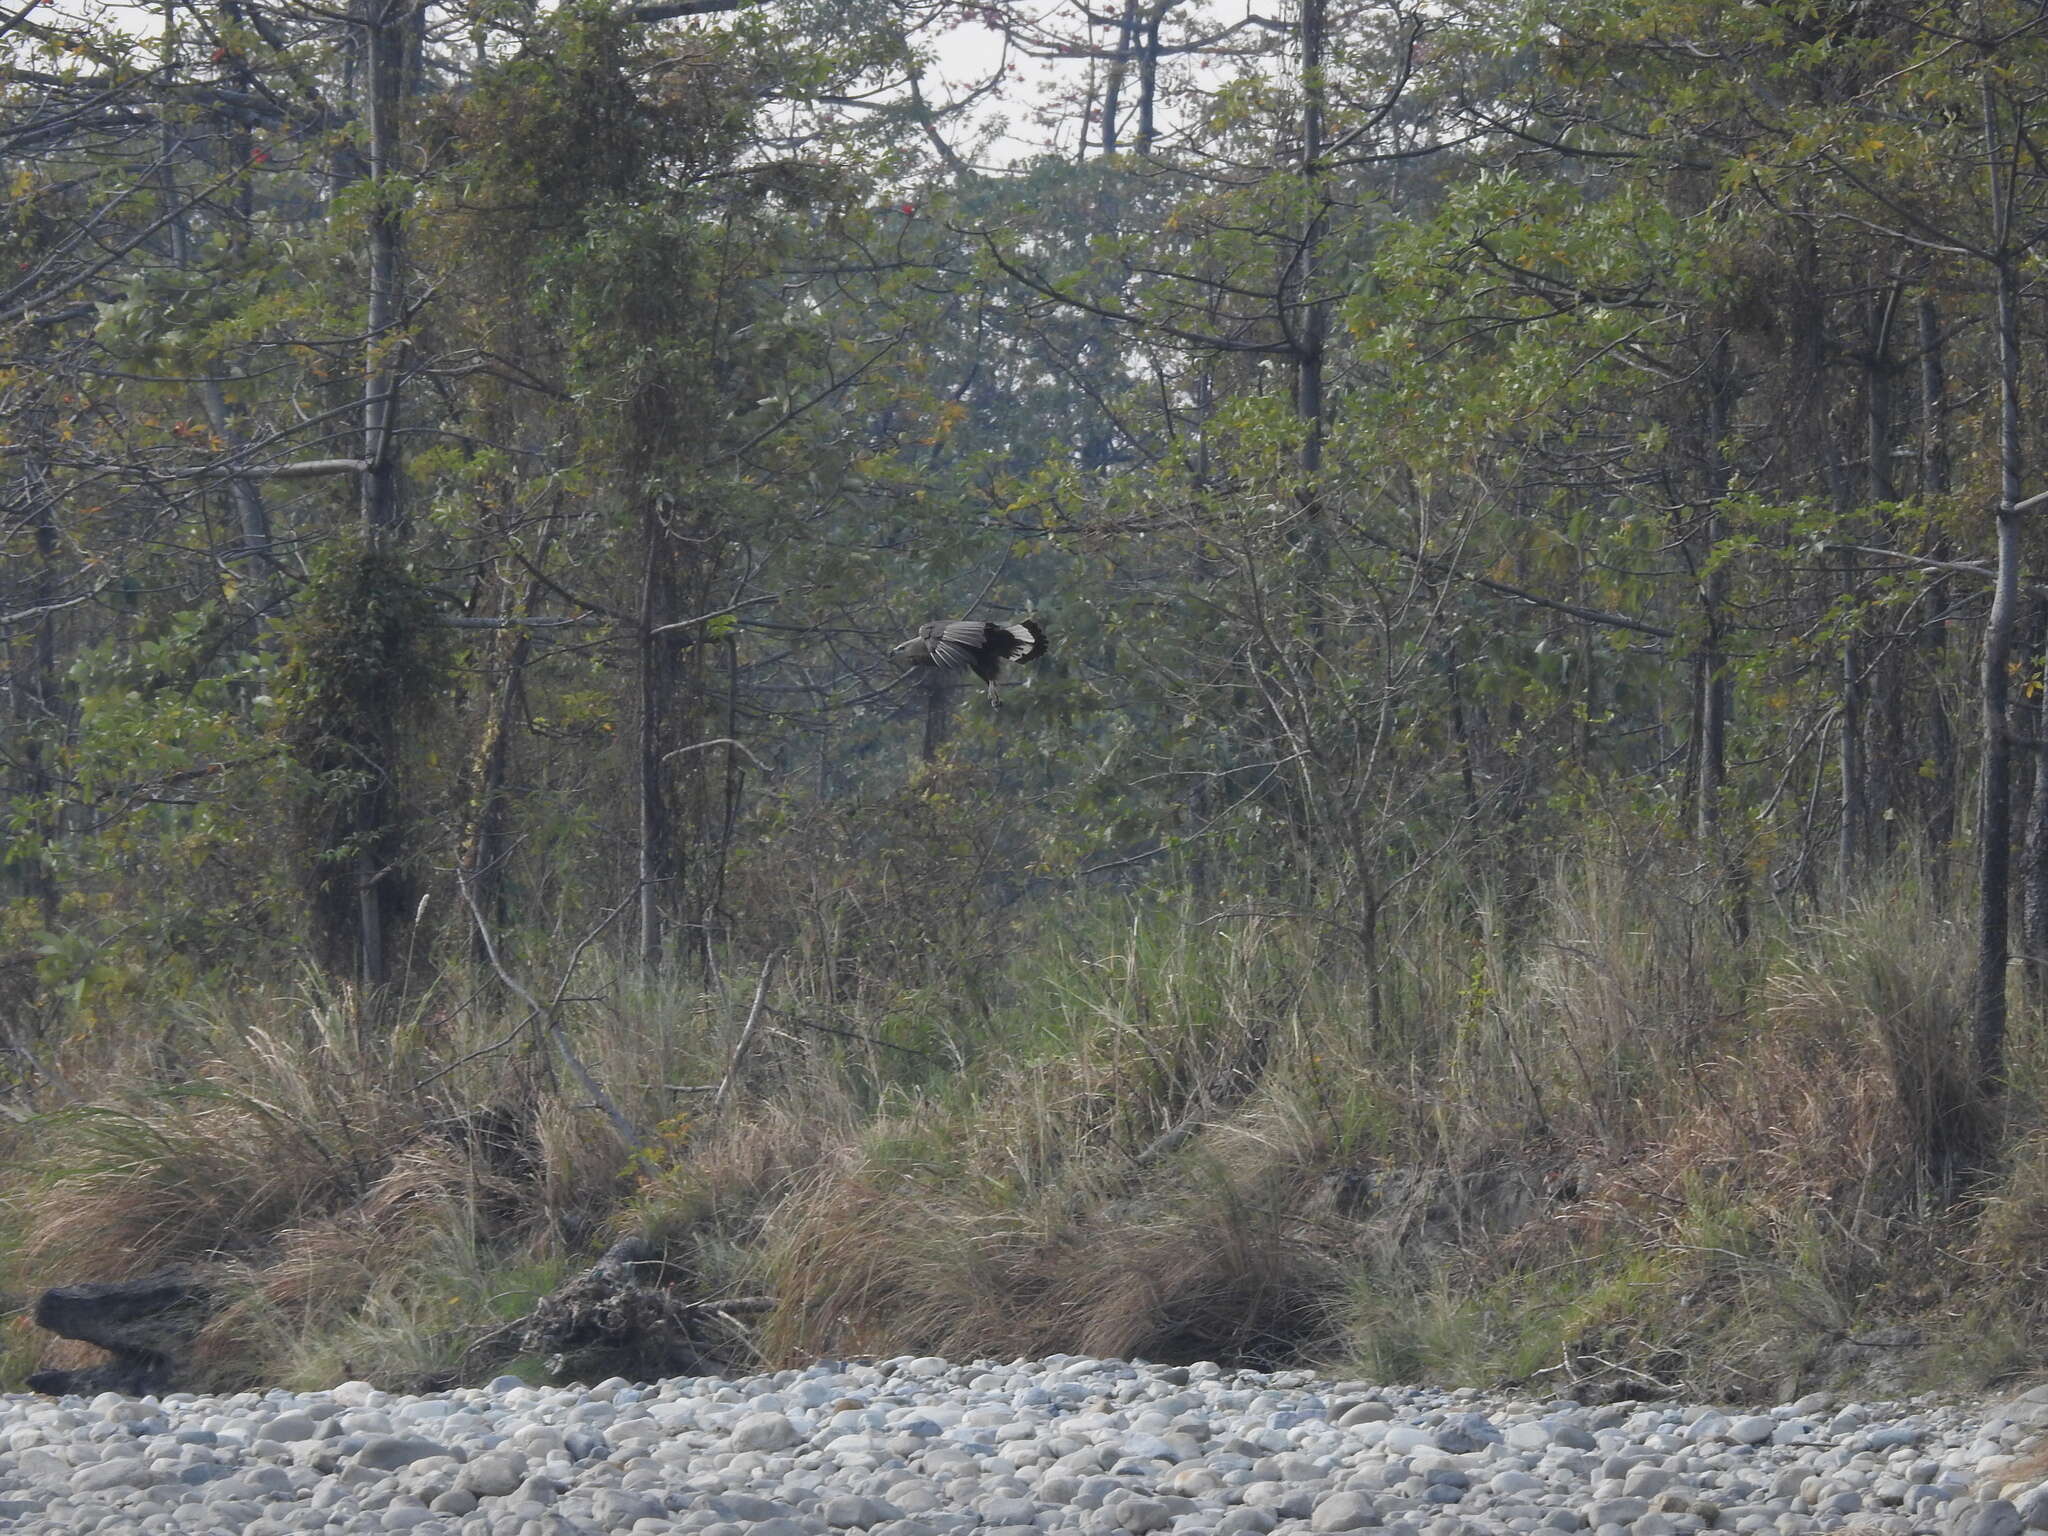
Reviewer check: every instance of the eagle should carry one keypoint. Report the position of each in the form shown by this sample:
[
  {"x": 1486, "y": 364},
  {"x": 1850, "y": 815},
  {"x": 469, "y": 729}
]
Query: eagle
[{"x": 960, "y": 645}]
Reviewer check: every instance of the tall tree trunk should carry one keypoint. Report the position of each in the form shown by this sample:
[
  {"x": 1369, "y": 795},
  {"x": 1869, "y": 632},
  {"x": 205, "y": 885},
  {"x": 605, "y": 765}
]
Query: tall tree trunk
[
  {"x": 1877, "y": 395},
  {"x": 1312, "y": 316},
  {"x": 656, "y": 843},
  {"x": 1113, "y": 86},
  {"x": 35, "y": 689},
  {"x": 252, "y": 516},
  {"x": 1148, "y": 78},
  {"x": 1852, "y": 770},
  {"x": 729, "y": 817},
  {"x": 1939, "y": 801},
  {"x": 1863, "y": 781},
  {"x": 385, "y": 43},
  {"x": 382, "y": 26},
  {"x": 1307, "y": 314},
  {"x": 1447, "y": 659},
  {"x": 1716, "y": 701},
  {"x": 480, "y": 854},
  {"x": 2034, "y": 860},
  {"x": 1994, "y": 822},
  {"x": 1933, "y": 402}
]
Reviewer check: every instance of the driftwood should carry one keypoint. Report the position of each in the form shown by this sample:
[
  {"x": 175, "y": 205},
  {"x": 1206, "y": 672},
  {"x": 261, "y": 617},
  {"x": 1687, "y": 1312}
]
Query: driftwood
[
  {"x": 146, "y": 1325},
  {"x": 617, "y": 1317}
]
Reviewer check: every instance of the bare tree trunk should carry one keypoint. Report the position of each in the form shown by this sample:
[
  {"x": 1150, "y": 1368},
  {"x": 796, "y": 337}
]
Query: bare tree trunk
[
  {"x": 35, "y": 689},
  {"x": 1939, "y": 803},
  {"x": 1467, "y": 779},
  {"x": 243, "y": 493},
  {"x": 480, "y": 854},
  {"x": 1994, "y": 822},
  {"x": 656, "y": 864},
  {"x": 386, "y": 39},
  {"x": 1148, "y": 77},
  {"x": 1112, "y": 90},
  {"x": 1933, "y": 402},
  {"x": 1863, "y": 785},
  {"x": 729, "y": 819},
  {"x": 383, "y": 28},
  {"x": 1307, "y": 314},
  {"x": 1877, "y": 399},
  {"x": 250, "y": 511},
  {"x": 2034, "y": 860},
  {"x": 1716, "y": 701},
  {"x": 1850, "y": 758}
]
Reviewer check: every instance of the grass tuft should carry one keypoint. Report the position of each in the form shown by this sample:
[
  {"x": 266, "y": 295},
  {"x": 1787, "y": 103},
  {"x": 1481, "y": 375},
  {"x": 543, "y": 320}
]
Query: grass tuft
[{"x": 1596, "y": 1145}]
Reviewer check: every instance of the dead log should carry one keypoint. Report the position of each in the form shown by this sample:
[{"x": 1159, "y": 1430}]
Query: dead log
[{"x": 145, "y": 1325}]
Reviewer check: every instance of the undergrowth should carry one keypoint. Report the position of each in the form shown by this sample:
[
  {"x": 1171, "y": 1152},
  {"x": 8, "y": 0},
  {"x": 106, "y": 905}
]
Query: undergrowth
[{"x": 1604, "y": 1149}]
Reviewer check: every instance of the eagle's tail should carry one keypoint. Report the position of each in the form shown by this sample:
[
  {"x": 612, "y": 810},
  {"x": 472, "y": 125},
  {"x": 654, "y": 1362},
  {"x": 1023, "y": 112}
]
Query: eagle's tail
[{"x": 1022, "y": 641}]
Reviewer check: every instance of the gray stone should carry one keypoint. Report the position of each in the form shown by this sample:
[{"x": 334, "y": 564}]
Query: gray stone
[
  {"x": 2033, "y": 1507},
  {"x": 537, "y": 1489},
  {"x": 764, "y": 1432},
  {"x": 1246, "y": 1520},
  {"x": 747, "y": 1506},
  {"x": 849, "y": 1509},
  {"x": 614, "y": 1509},
  {"x": 1368, "y": 1412},
  {"x": 1288, "y": 1502},
  {"x": 1645, "y": 1480},
  {"x": 121, "y": 1472},
  {"x": 1007, "y": 1509},
  {"x": 290, "y": 1428},
  {"x": 1346, "y": 1510},
  {"x": 1140, "y": 1515},
  {"x": 1622, "y": 1511},
  {"x": 1753, "y": 1429},
  {"x": 1993, "y": 1517},
  {"x": 1462, "y": 1433},
  {"x": 493, "y": 1474},
  {"x": 387, "y": 1453}
]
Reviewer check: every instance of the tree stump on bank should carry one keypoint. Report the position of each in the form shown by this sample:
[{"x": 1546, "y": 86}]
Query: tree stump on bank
[
  {"x": 145, "y": 1325},
  {"x": 619, "y": 1318}
]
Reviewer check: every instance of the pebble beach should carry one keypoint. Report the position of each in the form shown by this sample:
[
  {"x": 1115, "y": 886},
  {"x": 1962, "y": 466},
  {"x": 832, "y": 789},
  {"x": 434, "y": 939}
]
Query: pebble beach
[{"x": 924, "y": 1447}]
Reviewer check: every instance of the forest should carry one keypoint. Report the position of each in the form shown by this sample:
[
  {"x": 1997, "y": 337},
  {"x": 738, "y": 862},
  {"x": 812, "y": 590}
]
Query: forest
[{"x": 1526, "y": 859}]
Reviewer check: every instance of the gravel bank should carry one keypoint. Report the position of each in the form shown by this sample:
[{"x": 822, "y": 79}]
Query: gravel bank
[{"x": 920, "y": 1447}]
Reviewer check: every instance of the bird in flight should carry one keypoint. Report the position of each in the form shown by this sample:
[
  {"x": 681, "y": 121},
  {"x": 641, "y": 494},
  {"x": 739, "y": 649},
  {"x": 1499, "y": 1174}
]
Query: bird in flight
[{"x": 960, "y": 645}]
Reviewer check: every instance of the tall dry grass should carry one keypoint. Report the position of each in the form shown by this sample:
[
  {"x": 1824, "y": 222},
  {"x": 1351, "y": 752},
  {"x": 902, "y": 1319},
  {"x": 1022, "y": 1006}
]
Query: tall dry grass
[{"x": 1596, "y": 1145}]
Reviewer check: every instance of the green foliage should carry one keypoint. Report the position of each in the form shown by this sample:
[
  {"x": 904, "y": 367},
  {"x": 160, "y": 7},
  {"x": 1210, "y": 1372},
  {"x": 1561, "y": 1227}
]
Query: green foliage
[
  {"x": 360, "y": 659},
  {"x": 1511, "y": 581}
]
